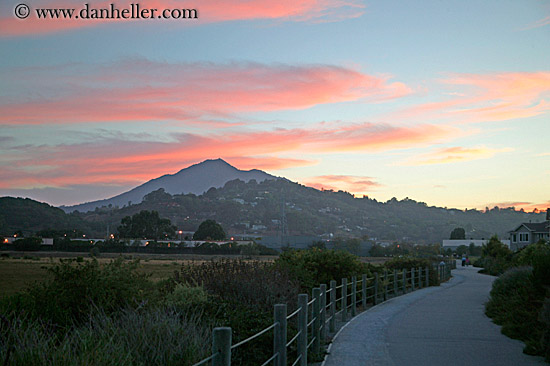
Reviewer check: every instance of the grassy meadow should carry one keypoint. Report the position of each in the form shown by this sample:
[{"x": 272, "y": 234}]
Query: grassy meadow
[{"x": 19, "y": 270}]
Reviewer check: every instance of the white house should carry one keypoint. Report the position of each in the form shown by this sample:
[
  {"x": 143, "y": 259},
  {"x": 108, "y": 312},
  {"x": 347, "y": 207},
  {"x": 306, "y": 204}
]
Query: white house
[{"x": 453, "y": 244}]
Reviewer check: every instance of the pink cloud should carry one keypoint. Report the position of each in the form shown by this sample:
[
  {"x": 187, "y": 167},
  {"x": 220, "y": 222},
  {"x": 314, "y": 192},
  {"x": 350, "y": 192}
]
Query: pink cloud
[
  {"x": 209, "y": 11},
  {"x": 145, "y": 90},
  {"x": 454, "y": 155},
  {"x": 121, "y": 161},
  {"x": 539, "y": 23},
  {"x": 487, "y": 97},
  {"x": 348, "y": 183}
]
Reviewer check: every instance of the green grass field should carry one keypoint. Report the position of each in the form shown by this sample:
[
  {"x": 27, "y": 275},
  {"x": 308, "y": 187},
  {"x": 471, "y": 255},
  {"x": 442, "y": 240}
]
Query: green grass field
[{"x": 19, "y": 270}]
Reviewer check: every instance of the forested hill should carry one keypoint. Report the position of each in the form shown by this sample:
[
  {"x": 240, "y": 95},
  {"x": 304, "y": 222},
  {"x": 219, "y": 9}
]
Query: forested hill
[
  {"x": 238, "y": 206},
  {"x": 28, "y": 217}
]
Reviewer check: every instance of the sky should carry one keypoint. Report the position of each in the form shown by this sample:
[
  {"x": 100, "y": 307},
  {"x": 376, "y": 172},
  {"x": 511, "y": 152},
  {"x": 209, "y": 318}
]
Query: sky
[{"x": 444, "y": 102}]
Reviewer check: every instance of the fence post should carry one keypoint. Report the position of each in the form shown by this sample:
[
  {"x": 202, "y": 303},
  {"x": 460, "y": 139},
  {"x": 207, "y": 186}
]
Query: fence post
[
  {"x": 364, "y": 291},
  {"x": 404, "y": 281},
  {"x": 316, "y": 295},
  {"x": 302, "y": 328},
  {"x": 353, "y": 296},
  {"x": 419, "y": 277},
  {"x": 344, "y": 299},
  {"x": 323, "y": 312},
  {"x": 221, "y": 344},
  {"x": 332, "y": 322},
  {"x": 412, "y": 278},
  {"x": 375, "y": 297},
  {"x": 279, "y": 336},
  {"x": 385, "y": 285},
  {"x": 427, "y": 272}
]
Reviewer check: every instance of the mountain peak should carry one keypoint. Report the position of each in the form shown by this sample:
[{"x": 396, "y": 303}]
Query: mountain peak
[{"x": 196, "y": 179}]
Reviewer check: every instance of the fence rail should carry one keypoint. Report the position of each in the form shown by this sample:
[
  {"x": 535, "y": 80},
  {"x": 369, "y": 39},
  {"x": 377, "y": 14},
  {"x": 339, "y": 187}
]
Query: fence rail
[{"x": 312, "y": 334}]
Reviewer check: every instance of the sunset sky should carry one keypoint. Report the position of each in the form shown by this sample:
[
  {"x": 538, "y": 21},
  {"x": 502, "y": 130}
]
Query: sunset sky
[{"x": 445, "y": 102}]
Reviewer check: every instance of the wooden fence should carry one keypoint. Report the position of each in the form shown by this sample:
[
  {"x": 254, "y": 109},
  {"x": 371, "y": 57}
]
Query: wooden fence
[{"x": 317, "y": 317}]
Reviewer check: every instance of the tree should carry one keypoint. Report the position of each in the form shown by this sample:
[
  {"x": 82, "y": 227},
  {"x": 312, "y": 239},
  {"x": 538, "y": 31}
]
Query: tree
[
  {"x": 458, "y": 234},
  {"x": 378, "y": 251},
  {"x": 30, "y": 244},
  {"x": 461, "y": 249},
  {"x": 209, "y": 230},
  {"x": 319, "y": 244},
  {"x": 495, "y": 249},
  {"x": 146, "y": 224},
  {"x": 350, "y": 245},
  {"x": 473, "y": 250}
]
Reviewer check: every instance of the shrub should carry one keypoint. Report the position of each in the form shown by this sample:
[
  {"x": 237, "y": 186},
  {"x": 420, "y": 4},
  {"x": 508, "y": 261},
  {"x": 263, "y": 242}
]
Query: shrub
[
  {"x": 77, "y": 288},
  {"x": 538, "y": 256},
  {"x": 184, "y": 296},
  {"x": 256, "y": 284},
  {"x": 244, "y": 322},
  {"x": 494, "y": 266},
  {"x": 314, "y": 266},
  {"x": 244, "y": 294},
  {"x": 544, "y": 318},
  {"x": 515, "y": 303}
]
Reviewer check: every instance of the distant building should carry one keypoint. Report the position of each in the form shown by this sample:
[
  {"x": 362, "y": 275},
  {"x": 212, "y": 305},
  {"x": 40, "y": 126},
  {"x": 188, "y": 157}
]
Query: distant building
[
  {"x": 296, "y": 242},
  {"x": 453, "y": 244},
  {"x": 529, "y": 233},
  {"x": 11, "y": 240}
]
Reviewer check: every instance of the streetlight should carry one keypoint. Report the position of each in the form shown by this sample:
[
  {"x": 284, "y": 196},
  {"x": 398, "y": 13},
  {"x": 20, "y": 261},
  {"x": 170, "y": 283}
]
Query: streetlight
[{"x": 180, "y": 232}]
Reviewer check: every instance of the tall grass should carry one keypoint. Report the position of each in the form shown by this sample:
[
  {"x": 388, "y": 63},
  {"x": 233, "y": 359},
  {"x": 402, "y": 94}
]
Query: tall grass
[{"x": 132, "y": 337}]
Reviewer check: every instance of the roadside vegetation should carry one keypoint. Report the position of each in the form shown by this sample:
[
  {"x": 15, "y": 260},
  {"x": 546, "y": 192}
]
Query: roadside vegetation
[
  {"x": 520, "y": 298},
  {"x": 111, "y": 312}
]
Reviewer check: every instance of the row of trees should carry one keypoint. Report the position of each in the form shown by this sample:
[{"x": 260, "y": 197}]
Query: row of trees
[{"x": 149, "y": 224}]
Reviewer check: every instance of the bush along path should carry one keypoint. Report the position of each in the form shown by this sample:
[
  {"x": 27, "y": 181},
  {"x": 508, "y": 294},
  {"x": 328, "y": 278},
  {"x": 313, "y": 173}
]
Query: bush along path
[
  {"x": 299, "y": 337},
  {"x": 520, "y": 299}
]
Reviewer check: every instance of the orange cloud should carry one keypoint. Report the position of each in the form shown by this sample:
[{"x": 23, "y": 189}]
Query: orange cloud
[
  {"x": 454, "y": 155},
  {"x": 209, "y": 11},
  {"x": 118, "y": 160},
  {"x": 490, "y": 97},
  {"x": 348, "y": 183},
  {"x": 142, "y": 90},
  {"x": 526, "y": 206}
]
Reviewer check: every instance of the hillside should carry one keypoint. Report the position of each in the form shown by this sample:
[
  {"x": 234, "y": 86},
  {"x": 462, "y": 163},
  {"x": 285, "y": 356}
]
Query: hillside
[
  {"x": 29, "y": 216},
  {"x": 195, "y": 179},
  {"x": 256, "y": 209}
]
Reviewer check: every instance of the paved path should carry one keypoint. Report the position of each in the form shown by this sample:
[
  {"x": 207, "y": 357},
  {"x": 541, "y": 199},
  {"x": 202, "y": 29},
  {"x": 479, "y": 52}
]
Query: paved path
[{"x": 443, "y": 325}]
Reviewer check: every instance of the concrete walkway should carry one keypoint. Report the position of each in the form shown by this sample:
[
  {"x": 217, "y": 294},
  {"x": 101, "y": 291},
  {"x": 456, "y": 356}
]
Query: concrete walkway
[{"x": 443, "y": 325}]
